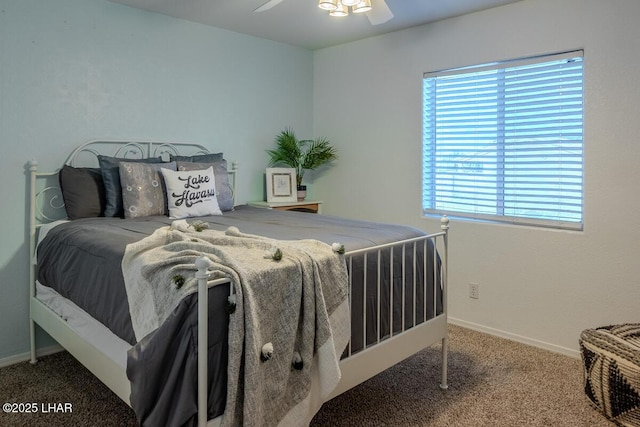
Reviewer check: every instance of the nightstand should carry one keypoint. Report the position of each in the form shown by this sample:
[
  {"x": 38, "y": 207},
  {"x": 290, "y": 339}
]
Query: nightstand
[{"x": 311, "y": 206}]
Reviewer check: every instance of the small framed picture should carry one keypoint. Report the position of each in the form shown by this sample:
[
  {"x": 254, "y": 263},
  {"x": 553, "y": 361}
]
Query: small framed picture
[{"x": 281, "y": 185}]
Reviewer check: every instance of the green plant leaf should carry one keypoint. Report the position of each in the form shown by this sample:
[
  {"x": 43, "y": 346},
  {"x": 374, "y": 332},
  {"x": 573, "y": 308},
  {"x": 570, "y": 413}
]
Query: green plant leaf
[
  {"x": 319, "y": 152},
  {"x": 300, "y": 155}
]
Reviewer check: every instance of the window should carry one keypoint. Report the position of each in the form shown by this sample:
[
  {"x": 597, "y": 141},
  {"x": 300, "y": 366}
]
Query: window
[{"x": 503, "y": 141}]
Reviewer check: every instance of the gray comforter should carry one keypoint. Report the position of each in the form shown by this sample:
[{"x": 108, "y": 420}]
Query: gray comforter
[{"x": 82, "y": 261}]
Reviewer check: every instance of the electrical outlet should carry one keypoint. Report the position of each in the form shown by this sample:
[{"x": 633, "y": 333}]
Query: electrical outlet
[{"x": 474, "y": 290}]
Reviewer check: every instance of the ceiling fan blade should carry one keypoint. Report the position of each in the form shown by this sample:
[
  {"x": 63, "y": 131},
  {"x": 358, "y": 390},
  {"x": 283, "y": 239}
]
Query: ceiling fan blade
[
  {"x": 379, "y": 13},
  {"x": 268, "y": 5}
]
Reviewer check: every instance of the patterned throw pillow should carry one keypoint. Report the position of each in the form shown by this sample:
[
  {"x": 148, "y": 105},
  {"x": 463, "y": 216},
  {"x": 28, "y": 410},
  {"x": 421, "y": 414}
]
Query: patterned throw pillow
[
  {"x": 191, "y": 193},
  {"x": 110, "y": 169},
  {"x": 143, "y": 189}
]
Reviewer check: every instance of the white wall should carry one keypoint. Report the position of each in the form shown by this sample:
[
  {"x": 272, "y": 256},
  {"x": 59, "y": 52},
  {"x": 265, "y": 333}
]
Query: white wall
[
  {"x": 75, "y": 70},
  {"x": 537, "y": 285}
]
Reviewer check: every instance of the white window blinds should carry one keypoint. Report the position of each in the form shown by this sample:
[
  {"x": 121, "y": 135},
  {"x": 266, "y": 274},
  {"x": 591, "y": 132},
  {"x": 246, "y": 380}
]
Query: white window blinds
[{"x": 504, "y": 141}]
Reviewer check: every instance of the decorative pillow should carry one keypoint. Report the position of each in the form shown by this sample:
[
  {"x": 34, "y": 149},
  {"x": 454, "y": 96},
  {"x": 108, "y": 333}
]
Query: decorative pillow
[
  {"x": 143, "y": 189},
  {"x": 191, "y": 193},
  {"x": 82, "y": 192},
  {"x": 109, "y": 166},
  {"x": 198, "y": 158},
  {"x": 224, "y": 192}
]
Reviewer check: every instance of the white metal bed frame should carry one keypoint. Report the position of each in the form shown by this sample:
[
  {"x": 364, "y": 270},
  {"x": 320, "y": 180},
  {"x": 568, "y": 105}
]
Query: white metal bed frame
[{"x": 355, "y": 367}]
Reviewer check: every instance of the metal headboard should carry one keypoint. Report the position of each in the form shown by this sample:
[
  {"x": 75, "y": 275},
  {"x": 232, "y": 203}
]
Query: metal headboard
[
  {"x": 45, "y": 197},
  {"x": 86, "y": 155}
]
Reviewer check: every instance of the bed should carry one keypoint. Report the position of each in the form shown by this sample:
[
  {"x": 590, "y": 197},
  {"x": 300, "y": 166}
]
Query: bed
[{"x": 395, "y": 281}]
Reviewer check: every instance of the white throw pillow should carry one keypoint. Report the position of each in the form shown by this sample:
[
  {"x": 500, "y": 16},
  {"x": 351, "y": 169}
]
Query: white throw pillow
[{"x": 191, "y": 193}]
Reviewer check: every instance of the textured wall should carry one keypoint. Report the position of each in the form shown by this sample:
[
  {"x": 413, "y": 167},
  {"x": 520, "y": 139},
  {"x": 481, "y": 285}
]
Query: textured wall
[
  {"x": 537, "y": 285},
  {"x": 75, "y": 70}
]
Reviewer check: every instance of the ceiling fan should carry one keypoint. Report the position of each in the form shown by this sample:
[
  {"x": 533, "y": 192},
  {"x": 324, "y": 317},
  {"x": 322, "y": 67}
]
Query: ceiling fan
[{"x": 377, "y": 10}]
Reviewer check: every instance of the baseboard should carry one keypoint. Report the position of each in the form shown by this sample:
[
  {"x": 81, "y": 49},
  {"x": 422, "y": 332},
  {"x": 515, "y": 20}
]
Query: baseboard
[
  {"x": 514, "y": 337},
  {"x": 23, "y": 357}
]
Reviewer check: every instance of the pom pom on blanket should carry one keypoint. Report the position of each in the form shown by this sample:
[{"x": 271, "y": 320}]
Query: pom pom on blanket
[
  {"x": 296, "y": 361},
  {"x": 178, "y": 280},
  {"x": 200, "y": 225},
  {"x": 267, "y": 352},
  {"x": 184, "y": 226},
  {"x": 273, "y": 253},
  {"x": 232, "y": 231},
  {"x": 231, "y": 304},
  {"x": 180, "y": 225},
  {"x": 338, "y": 247}
]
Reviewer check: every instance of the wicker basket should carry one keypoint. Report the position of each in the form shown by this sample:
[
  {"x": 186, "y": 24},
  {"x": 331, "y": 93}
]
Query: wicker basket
[{"x": 611, "y": 358}]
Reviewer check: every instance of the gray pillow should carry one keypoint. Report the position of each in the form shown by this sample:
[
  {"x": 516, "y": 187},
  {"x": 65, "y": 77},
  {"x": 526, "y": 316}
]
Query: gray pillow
[
  {"x": 143, "y": 189},
  {"x": 198, "y": 158},
  {"x": 82, "y": 192},
  {"x": 109, "y": 167},
  {"x": 224, "y": 192}
]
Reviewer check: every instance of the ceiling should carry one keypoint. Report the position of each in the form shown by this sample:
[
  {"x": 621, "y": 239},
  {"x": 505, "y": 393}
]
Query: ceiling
[{"x": 302, "y": 23}]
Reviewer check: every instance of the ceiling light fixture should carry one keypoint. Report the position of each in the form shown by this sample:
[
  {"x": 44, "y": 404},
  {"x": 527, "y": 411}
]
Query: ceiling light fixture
[
  {"x": 340, "y": 10},
  {"x": 362, "y": 6},
  {"x": 328, "y": 4},
  {"x": 341, "y": 7}
]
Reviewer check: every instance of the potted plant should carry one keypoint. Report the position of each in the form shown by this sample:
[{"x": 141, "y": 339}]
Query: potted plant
[{"x": 301, "y": 155}]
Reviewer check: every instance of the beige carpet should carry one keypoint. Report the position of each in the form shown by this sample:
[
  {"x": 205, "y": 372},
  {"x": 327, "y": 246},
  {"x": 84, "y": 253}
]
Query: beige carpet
[{"x": 492, "y": 382}]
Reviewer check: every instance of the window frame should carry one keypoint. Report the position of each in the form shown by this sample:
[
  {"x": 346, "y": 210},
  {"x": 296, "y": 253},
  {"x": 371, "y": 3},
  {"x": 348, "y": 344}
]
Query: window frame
[{"x": 429, "y": 146}]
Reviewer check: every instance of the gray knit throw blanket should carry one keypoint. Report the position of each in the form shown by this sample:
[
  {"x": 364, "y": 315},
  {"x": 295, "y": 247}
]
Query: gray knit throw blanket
[{"x": 291, "y": 320}]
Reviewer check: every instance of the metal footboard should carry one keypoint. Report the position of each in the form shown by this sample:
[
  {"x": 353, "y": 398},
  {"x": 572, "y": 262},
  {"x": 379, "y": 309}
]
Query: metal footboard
[
  {"x": 412, "y": 317},
  {"x": 395, "y": 287}
]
